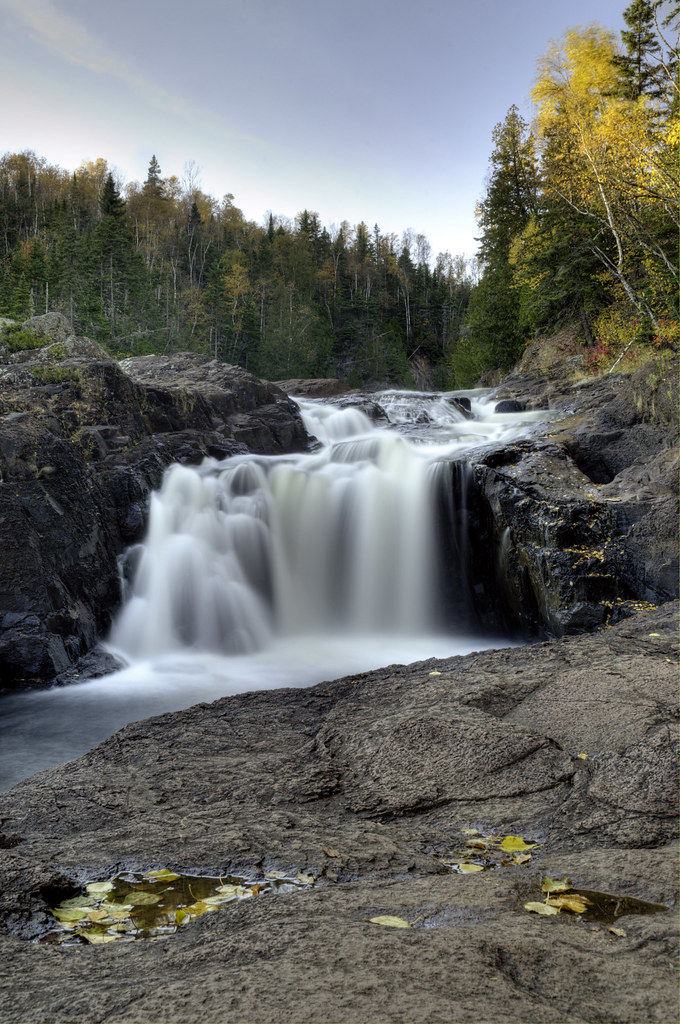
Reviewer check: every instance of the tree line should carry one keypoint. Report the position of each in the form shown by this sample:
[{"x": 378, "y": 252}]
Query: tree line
[
  {"x": 578, "y": 225},
  {"x": 162, "y": 266}
]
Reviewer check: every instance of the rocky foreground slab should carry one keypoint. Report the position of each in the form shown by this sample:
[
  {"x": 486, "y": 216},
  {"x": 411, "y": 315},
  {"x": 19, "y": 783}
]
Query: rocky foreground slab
[{"x": 368, "y": 786}]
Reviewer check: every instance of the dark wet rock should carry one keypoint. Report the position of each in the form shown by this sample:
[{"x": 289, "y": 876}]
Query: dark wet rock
[
  {"x": 364, "y": 403},
  {"x": 570, "y": 743},
  {"x": 574, "y": 525},
  {"x": 82, "y": 445},
  {"x": 509, "y": 405},
  {"x": 322, "y": 387},
  {"x": 461, "y": 402}
]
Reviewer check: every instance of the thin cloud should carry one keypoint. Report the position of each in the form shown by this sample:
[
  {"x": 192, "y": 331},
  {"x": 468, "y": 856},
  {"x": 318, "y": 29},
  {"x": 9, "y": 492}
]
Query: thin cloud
[{"x": 68, "y": 39}]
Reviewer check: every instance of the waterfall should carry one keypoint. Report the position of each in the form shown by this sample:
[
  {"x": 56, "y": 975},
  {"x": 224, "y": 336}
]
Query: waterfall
[
  {"x": 260, "y": 572},
  {"x": 241, "y": 551}
]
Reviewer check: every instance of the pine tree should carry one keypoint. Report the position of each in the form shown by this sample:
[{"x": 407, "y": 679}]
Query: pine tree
[
  {"x": 110, "y": 202},
  {"x": 639, "y": 68},
  {"x": 153, "y": 186}
]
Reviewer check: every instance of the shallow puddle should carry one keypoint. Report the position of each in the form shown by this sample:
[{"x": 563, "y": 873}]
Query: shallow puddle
[
  {"x": 607, "y": 907},
  {"x": 484, "y": 851},
  {"x": 149, "y": 906}
]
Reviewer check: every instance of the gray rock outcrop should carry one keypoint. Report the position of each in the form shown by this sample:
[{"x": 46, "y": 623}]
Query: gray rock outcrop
[{"x": 371, "y": 785}]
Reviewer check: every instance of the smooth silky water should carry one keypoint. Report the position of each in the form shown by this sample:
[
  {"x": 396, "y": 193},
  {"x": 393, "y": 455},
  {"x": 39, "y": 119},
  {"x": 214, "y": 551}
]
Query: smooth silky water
[{"x": 261, "y": 572}]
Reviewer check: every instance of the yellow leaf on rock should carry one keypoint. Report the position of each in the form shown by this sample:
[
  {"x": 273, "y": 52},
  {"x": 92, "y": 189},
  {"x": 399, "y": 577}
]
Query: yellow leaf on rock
[
  {"x": 540, "y": 908},
  {"x": 305, "y": 879},
  {"x": 390, "y": 922},
  {"x": 469, "y": 868},
  {"x": 521, "y": 858},
  {"x": 275, "y": 874},
  {"x": 654, "y": 634},
  {"x": 162, "y": 875},
  {"x": 583, "y": 757},
  {"x": 556, "y": 884},
  {"x": 330, "y": 851},
  {"x": 231, "y": 890},
  {"x": 574, "y": 902},
  {"x": 435, "y": 673},
  {"x": 513, "y": 843},
  {"x": 470, "y": 831},
  {"x": 618, "y": 931}
]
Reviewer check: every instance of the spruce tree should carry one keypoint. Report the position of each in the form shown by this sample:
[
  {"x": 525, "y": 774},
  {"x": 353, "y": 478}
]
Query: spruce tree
[
  {"x": 153, "y": 186},
  {"x": 638, "y": 68}
]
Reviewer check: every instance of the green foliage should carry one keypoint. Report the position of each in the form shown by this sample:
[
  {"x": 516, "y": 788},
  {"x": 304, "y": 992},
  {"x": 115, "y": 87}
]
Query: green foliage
[
  {"x": 55, "y": 374},
  {"x": 18, "y": 339},
  {"x": 166, "y": 268}
]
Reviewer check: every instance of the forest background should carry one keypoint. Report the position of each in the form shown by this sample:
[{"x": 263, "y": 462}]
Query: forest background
[{"x": 578, "y": 229}]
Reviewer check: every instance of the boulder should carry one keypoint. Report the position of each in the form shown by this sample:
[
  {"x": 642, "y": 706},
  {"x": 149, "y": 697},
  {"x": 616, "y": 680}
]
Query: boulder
[
  {"x": 52, "y": 326},
  {"x": 509, "y": 405},
  {"x": 322, "y": 387}
]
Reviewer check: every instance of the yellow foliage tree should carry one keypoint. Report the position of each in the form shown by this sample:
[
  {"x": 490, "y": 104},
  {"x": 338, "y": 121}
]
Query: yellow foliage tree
[{"x": 607, "y": 158}]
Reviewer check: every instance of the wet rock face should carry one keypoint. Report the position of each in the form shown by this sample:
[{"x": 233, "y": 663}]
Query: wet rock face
[
  {"x": 569, "y": 530},
  {"x": 82, "y": 445}
]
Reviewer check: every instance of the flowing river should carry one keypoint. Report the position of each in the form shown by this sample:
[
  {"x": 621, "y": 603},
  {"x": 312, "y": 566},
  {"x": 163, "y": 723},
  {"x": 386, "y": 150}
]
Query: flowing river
[{"x": 271, "y": 571}]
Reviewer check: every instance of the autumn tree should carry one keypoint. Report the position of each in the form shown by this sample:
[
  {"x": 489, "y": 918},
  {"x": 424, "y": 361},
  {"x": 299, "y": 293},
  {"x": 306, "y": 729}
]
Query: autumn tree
[{"x": 606, "y": 160}]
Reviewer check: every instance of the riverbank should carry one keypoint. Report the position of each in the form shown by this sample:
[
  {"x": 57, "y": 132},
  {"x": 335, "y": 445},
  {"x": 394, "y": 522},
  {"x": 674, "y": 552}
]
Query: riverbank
[{"x": 366, "y": 786}]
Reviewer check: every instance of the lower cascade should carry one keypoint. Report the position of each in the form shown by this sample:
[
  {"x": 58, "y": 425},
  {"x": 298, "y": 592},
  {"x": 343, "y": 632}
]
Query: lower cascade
[{"x": 266, "y": 571}]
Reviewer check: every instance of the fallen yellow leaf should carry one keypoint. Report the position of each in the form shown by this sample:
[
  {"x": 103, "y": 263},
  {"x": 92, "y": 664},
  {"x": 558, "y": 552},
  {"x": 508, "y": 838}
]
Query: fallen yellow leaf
[
  {"x": 574, "y": 902},
  {"x": 469, "y": 868},
  {"x": 540, "y": 908},
  {"x": 305, "y": 879},
  {"x": 435, "y": 673},
  {"x": 97, "y": 915},
  {"x": 512, "y": 843},
  {"x": 330, "y": 851},
  {"x": 95, "y": 937},
  {"x": 97, "y": 888},
  {"x": 389, "y": 921},
  {"x": 521, "y": 858},
  {"x": 556, "y": 884},
  {"x": 618, "y": 931},
  {"x": 470, "y": 831},
  {"x": 583, "y": 757}
]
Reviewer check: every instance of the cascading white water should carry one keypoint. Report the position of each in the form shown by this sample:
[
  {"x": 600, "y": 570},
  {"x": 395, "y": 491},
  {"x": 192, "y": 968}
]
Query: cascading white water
[
  {"x": 240, "y": 551},
  {"x": 281, "y": 571}
]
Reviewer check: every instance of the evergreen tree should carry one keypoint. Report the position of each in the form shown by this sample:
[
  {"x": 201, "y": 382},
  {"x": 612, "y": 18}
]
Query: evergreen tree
[
  {"x": 153, "y": 187},
  {"x": 639, "y": 68},
  {"x": 509, "y": 203}
]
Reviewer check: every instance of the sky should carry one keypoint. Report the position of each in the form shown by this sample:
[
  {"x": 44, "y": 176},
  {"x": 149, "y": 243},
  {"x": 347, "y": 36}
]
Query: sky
[{"x": 373, "y": 110}]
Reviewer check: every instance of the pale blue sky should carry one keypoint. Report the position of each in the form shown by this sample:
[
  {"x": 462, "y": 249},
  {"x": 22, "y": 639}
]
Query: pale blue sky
[{"x": 374, "y": 110}]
